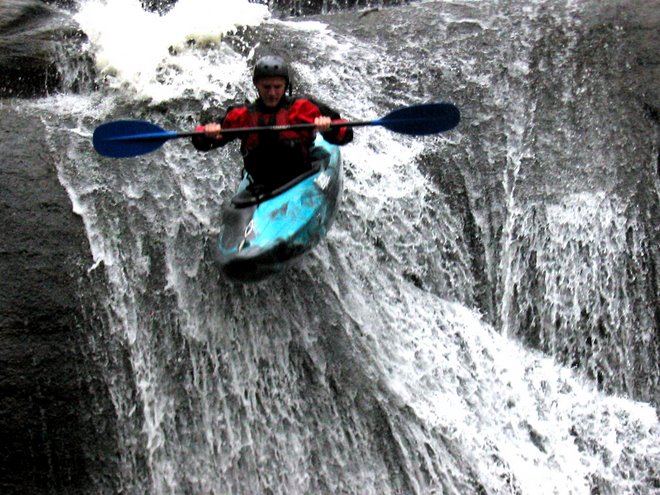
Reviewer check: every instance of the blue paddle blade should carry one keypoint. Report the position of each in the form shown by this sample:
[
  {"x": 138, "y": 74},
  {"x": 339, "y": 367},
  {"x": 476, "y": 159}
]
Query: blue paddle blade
[
  {"x": 421, "y": 120},
  {"x": 124, "y": 138}
]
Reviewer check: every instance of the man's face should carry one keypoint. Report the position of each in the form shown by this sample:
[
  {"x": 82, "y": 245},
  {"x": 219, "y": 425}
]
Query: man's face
[{"x": 271, "y": 90}]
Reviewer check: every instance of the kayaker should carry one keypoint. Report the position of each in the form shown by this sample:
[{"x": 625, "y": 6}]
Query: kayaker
[{"x": 274, "y": 158}]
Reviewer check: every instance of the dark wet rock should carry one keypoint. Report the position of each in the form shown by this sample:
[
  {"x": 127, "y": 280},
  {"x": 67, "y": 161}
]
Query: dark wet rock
[
  {"x": 310, "y": 7},
  {"x": 294, "y": 8},
  {"x": 65, "y": 4},
  {"x": 56, "y": 428},
  {"x": 33, "y": 38}
]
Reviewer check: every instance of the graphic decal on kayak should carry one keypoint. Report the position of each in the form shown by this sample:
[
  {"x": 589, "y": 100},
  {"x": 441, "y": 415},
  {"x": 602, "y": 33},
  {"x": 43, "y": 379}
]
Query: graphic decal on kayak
[
  {"x": 322, "y": 181},
  {"x": 249, "y": 230}
]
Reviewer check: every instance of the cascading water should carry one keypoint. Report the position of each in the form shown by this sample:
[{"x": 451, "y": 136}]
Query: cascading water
[
  {"x": 578, "y": 264},
  {"x": 576, "y": 286},
  {"x": 367, "y": 367}
]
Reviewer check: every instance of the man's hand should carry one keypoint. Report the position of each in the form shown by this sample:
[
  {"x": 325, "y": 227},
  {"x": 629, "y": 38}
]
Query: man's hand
[
  {"x": 322, "y": 123},
  {"x": 213, "y": 131}
]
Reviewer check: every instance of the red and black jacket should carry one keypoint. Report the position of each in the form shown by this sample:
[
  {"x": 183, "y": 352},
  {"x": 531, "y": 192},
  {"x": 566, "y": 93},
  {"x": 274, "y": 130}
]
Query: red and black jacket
[{"x": 273, "y": 157}]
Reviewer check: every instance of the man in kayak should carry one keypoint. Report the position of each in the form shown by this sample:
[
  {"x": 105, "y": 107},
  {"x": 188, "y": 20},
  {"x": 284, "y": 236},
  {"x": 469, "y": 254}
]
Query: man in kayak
[{"x": 273, "y": 158}]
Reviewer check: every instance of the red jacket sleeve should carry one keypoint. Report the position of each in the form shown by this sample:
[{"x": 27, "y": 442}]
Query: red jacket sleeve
[
  {"x": 338, "y": 135},
  {"x": 303, "y": 112},
  {"x": 236, "y": 117}
]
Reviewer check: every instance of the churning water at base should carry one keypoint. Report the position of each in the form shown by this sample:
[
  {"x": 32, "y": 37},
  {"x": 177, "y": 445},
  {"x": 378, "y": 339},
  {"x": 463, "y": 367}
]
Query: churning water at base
[{"x": 366, "y": 368}]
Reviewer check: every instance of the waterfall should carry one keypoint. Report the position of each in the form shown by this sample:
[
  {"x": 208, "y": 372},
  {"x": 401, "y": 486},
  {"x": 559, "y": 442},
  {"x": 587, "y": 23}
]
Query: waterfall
[
  {"x": 471, "y": 324},
  {"x": 580, "y": 292}
]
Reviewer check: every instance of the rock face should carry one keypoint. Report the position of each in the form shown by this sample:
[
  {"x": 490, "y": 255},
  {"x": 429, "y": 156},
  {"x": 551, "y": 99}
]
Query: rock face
[
  {"x": 307, "y": 7},
  {"x": 51, "y": 434},
  {"x": 54, "y": 435},
  {"x": 33, "y": 35},
  {"x": 26, "y": 49}
]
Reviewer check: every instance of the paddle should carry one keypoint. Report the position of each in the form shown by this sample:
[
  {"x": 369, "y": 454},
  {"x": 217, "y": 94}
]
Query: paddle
[{"x": 124, "y": 138}]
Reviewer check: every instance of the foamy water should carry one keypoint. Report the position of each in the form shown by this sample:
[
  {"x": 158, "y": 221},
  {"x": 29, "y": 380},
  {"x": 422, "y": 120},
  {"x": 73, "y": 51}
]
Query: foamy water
[{"x": 156, "y": 56}]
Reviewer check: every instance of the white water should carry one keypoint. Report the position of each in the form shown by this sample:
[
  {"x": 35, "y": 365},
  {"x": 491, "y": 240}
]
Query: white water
[
  {"x": 157, "y": 56},
  {"x": 342, "y": 376},
  {"x": 578, "y": 267}
]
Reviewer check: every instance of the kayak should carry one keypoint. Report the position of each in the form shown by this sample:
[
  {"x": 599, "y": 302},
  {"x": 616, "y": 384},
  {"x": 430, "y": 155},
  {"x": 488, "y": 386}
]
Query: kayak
[{"x": 261, "y": 235}]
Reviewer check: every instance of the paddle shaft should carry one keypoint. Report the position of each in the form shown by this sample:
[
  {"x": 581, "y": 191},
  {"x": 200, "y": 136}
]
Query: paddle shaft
[{"x": 265, "y": 128}]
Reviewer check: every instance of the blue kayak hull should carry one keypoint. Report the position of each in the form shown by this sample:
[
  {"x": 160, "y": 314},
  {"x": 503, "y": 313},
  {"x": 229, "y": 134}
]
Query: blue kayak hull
[{"x": 262, "y": 236}]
